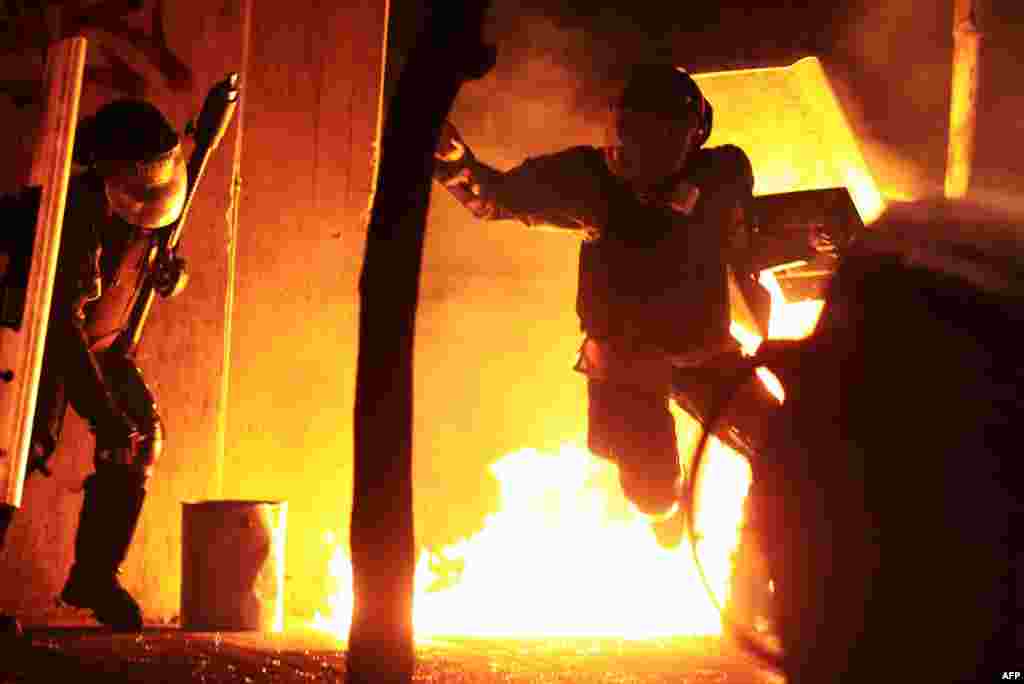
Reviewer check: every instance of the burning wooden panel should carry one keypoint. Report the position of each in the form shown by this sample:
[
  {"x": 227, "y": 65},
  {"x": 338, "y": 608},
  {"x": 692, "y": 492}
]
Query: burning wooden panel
[
  {"x": 782, "y": 228},
  {"x": 791, "y": 125},
  {"x": 565, "y": 554},
  {"x": 809, "y": 176}
]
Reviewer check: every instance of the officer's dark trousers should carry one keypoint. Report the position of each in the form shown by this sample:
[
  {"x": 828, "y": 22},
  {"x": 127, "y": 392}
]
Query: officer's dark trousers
[{"x": 634, "y": 429}]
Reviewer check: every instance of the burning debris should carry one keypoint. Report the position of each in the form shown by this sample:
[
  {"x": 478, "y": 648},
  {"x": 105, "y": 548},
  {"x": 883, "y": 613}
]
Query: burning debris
[{"x": 567, "y": 555}]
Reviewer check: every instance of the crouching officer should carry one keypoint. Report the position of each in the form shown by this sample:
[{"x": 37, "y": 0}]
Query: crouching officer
[{"x": 132, "y": 191}]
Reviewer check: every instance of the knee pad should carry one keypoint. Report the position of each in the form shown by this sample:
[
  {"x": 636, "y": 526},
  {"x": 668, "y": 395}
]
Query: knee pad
[
  {"x": 141, "y": 455},
  {"x": 136, "y": 400},
  {"x": 150, "y": 449}
]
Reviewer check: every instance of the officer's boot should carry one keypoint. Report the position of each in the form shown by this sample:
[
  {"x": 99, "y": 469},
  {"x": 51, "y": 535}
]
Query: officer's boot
[
  {"x": 670, "y": 528},
  {"x": 106, "y": 525},
  {"x": 9, "y": 625}
]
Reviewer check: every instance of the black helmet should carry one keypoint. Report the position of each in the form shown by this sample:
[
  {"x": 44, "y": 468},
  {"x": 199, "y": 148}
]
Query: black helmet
[
  {"x": 667, "y": 89},
  {"x": 137, "y": 152}
]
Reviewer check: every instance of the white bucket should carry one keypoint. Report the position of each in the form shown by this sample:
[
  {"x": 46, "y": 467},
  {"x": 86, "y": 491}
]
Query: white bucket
[{"x": 232, "y": 565}]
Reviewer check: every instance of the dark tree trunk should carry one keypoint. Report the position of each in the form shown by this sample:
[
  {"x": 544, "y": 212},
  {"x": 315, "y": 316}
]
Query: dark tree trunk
[{"x": 449, "y": 50}]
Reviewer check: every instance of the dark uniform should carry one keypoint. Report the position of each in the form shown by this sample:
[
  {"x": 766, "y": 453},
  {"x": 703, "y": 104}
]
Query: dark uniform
[
  {"x": 101, "y": 263},
  {"x": 116, "y": 214},
  {"x": 652, "y": 284}
]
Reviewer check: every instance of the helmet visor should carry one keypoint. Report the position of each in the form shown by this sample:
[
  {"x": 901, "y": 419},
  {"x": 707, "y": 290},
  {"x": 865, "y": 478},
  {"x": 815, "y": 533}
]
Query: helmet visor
[{"x": 149, "y": 194}]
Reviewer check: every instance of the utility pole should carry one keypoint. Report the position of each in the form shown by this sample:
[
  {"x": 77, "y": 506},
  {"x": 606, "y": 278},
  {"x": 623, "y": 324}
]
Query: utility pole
[
  {"x": 963, "y": 99},
  {"x": 449, "y": 51}
]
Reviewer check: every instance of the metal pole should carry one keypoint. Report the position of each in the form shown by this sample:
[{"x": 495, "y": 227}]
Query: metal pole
[
  {"x": 448, "y": 51},
  {"x": 964, "y": 96},
  {"x": 232, "y": 265}
]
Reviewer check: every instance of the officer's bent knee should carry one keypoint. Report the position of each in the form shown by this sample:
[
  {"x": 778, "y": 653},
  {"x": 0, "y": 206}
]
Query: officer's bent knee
[{"x": 654, "y": 497}]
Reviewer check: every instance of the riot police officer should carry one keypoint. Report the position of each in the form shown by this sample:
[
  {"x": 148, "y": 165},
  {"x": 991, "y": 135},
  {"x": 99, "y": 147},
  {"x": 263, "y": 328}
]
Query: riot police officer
[
  {"x": 653, "y": 209},
  {"x": 132, "y": 190}
]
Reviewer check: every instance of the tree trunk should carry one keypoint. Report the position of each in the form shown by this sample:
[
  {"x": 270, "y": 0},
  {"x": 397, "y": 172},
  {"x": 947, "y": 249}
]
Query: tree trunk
[{"x": 449, "y": 50}]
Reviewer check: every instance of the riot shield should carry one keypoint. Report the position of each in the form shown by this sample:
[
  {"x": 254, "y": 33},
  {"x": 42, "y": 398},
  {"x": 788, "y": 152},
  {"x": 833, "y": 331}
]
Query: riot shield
[{"x": 27, "y": 298}]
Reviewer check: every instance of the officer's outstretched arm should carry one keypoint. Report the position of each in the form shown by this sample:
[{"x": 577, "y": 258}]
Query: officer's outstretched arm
[{"x": 529, "y": 193}]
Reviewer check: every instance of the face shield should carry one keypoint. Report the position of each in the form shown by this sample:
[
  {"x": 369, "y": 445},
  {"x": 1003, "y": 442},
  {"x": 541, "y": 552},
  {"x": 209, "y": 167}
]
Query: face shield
[
  {"x": 149, "y": 194},
  {"x": 659, "y": 119},
  {"x": 647, "y": 144}
]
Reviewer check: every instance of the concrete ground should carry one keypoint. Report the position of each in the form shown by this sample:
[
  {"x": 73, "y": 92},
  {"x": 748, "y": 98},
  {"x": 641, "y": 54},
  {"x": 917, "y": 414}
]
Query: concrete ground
[{"x": 79, "y": 654}]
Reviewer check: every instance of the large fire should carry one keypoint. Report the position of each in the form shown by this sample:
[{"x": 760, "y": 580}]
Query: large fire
[{"x": 567, "y": 555}]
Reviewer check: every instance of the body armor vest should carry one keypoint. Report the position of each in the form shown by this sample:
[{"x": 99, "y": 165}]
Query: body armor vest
[{"x": 657, "y": 278}]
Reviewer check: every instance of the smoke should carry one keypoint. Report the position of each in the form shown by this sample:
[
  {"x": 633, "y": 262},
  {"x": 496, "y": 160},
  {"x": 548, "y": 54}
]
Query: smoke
[
  {"x": 560, "y": 63},
  {"x": 496, "y": 330},
  {"x": 899, "y": 172},
  {"x": 889, "y": 62},
  {"x": 999, "y": 164},
  {"x": 549, "y": 89},
  {"x": 891, "y": 65},
  {"x": 903, "y": 57},
  {"x": 559, "y": 67}
]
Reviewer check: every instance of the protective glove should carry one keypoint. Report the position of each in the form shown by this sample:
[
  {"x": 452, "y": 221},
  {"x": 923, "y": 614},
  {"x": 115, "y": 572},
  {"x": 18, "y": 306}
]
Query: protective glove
[
  {"x": 170, "y": 275},
  {"x": 465, "y": 188},
  {"x": 450, "y": 147},
  {"x": 823, "y": 241}
]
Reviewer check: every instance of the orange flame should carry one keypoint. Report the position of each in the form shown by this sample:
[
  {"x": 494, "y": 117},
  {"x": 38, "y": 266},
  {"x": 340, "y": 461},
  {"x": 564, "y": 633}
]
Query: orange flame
[
  {"x": 787, "y": 320},
  {"x": 567, "y": 555}
]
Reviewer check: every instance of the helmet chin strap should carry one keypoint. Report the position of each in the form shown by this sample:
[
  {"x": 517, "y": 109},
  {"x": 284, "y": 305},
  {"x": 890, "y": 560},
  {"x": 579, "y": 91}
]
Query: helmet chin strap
[
  {"x": 620, "y": 166},
  {"x": 617, "y": 162}
]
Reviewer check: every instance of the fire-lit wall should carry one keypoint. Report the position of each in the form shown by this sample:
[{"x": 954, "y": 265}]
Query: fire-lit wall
[
  {"x": 182, "y": 350},
  {"x": 314, "y": 79},
  {"x": 496, "y": 330}
]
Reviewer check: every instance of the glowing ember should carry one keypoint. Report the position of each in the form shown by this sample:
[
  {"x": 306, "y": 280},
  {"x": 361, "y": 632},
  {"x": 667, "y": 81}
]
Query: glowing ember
[
  {"x": 567, "y": 555},
  {"x": 865, "y": 194},
  {"x": 748, "y": 340},
  {"x": 787, "y": 320}
]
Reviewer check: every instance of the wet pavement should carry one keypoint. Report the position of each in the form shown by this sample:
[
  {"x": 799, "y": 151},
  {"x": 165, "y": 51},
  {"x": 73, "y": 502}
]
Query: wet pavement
[{"x": 75, "y": 655}]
